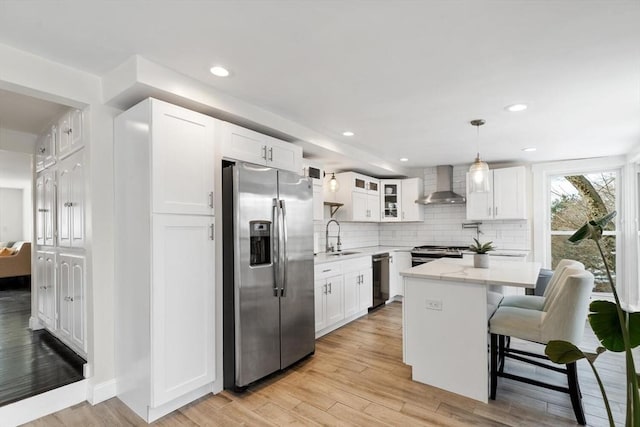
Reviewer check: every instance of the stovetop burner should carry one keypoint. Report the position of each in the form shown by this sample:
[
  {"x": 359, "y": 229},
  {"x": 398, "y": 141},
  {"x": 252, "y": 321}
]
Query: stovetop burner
[{"x": 439, "y": 251}]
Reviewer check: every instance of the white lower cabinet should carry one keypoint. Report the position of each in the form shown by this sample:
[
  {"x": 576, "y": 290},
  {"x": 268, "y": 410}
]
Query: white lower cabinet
[
  {"x": 71, "y": 300},
  {"x": 398, "y": 262},
  {"x": 182, "y": 299},
  {"x": 343, "y": 291},
  {"x": 46, "y": 288},
  {"x": 329, "y": 298},
  {"x": 358, "y": 285}
]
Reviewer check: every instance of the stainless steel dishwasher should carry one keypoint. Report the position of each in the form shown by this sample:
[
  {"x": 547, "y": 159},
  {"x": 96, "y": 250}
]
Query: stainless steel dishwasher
[{"x": 380, "y": 280}]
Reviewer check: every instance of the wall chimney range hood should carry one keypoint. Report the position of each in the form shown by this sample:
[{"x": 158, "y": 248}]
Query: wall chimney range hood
[{"x": 444, "y": 189}]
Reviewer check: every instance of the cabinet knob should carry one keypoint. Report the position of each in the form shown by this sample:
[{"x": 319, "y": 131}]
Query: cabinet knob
[{"x": 42, "y": 150}]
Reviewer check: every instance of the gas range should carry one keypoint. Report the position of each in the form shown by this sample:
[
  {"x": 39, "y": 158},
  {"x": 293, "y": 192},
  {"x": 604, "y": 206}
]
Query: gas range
[{"x": 428, "y": 253}]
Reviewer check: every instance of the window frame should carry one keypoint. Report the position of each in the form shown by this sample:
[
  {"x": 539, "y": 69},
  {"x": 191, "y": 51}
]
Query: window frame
[{"x": 543, "y": 173}]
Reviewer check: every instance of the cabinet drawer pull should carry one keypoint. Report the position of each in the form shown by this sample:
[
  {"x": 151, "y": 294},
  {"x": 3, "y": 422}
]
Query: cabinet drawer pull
[
  {"x": 327, "y": 270},
  {"x": 271, "y": 154},
  {"x": 329, "y": 287},
  {"x": 211, "y": 232},
  {"x": 264, "y": 152},
  {"x": 211, "y": 199}
]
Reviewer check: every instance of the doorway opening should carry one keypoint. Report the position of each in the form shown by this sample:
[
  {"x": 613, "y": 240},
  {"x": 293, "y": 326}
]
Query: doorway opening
[{"x": 33, "y": 359}]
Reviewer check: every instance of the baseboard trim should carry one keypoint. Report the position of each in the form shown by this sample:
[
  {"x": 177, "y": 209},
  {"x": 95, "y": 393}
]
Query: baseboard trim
[
  {"x": 101, "y": 392},
  {"x": 34, "y": 323},
  {"x": 43, "y": 404}
]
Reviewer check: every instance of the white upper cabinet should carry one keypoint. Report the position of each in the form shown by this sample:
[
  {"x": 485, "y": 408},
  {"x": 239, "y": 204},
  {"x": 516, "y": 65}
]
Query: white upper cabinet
[
  {"x": 398, "y": 200},
  {"x": 315, "y": 172},
  {"x": 45, "y": 208},
  {"x": 360, "y": 195},
  {"x": 506, "y": 198},
  {"x": 391, "y": 200},
  {"x": 243, "y": 144},
  {"x": 46, "y": 149},
  {"x": 70, "y": 133},
  {"x": 412, "y": 190},
  {"x": 71, "y": 201},
  {"x": 183, "y": 160}
]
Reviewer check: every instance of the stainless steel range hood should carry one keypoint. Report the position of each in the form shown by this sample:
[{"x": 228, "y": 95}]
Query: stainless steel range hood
[{"x": 444, "y": 189}]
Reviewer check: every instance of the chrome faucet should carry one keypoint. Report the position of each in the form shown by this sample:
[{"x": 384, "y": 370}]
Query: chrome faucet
[{"x": 329, "y": 248}]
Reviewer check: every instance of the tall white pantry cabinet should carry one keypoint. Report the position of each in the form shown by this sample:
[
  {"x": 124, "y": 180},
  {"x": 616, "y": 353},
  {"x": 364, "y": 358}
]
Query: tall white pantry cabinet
[{"x": 165, "y": 261}]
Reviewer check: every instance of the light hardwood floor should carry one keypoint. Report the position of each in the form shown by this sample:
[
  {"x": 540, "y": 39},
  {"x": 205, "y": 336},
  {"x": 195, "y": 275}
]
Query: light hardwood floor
[{"x": 357, "y": 377}]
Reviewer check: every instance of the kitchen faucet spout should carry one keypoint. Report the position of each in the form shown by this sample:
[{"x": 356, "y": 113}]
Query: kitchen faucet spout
[{"x": 330, "y": 248}]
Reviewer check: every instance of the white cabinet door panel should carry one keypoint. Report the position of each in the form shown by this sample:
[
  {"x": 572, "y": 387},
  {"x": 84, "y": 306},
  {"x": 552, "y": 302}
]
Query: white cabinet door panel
[
  {"x": 70, "y": 201},
  {"x": 244, "y": 144},
  {"x": 319, "y": 296},
  {"x": 182, "y": 305},
  {"x": 183, "y": 161},
  {"x": 334, "y": 300},
  {"x": 509, "y": 193},
  {"x": 365, "y": 289},
  {"x": 480, "y": 205},
  {"x": 412, "y": 189},
  {"x": 351, "y": 293}
]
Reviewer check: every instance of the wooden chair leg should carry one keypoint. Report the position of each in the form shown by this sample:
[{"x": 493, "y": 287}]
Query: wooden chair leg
[
  {"x": 494, "y": 366},
  {"x": 574, "y": 392}
]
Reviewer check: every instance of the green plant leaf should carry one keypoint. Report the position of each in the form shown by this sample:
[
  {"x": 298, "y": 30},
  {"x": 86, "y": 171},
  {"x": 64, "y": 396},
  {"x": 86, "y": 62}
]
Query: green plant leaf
[
  {"x": 634, "y": 329},
  {"x": 592, "y": 229},
  {"x": 563, "y": 352},
  {"x": 604, "y": 322},
  {"x": 605, "y": 219}
]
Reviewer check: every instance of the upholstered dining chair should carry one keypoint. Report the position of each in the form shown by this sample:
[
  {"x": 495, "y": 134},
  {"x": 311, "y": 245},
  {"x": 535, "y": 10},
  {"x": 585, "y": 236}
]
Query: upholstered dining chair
[
  {"x": 563, "y": 318},
  {"x": 535, "y": 302}
]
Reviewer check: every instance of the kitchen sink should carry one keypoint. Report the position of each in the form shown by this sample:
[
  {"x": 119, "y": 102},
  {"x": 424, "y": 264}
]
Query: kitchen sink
[{"x": 342, "y": 253}]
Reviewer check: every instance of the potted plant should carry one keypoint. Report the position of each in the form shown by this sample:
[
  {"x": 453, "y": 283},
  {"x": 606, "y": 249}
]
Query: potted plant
[
  {"x": 617, "y": 330},
  {"x": 481, "y": 256}
]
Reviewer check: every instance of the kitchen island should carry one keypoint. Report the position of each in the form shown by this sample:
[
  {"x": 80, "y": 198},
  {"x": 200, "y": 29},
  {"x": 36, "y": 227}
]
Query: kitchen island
[{"x": 444, "y": 315}]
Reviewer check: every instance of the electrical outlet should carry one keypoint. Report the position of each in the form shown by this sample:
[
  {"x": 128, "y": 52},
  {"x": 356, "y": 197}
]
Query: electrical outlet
[{"x": 432, "y": 304}]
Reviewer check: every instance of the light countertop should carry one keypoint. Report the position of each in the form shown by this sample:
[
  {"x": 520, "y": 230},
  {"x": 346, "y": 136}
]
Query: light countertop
[
  {"x": 520, "y": 274},
  {"x": 323, "y": 257}
]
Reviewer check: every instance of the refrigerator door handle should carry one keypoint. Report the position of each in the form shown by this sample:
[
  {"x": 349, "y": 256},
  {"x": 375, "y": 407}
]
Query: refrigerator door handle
[
  {"x": 275, "y": 223},
  {"x": 283, "y": 249}
]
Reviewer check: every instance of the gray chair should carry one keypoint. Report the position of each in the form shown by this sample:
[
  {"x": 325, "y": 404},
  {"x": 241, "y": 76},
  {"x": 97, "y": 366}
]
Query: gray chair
[
  {"x": 562, "y": 317},
  {"x": 535, "y": 302}
]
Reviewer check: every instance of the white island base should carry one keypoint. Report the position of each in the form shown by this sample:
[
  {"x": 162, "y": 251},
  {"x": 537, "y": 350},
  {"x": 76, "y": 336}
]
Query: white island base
[{"x": 445, "y": 337}]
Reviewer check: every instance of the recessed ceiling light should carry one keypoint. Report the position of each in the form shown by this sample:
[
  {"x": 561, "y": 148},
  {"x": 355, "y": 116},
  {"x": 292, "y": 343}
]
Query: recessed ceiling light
[
  {"x": 529, "y": 149},
  {"x": 219, "y": 71},
  {"x": 404, "y": 159},
  {"x": 348, "y": 133},
  {"x": 516, "y": 107}
]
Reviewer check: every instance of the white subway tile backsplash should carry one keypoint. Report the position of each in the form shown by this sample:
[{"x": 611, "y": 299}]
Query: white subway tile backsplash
[{"x": 442, "y": 226}]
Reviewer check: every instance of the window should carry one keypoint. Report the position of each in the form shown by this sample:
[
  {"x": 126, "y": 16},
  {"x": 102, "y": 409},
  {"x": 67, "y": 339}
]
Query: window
[{"x": 574, "y": 199}]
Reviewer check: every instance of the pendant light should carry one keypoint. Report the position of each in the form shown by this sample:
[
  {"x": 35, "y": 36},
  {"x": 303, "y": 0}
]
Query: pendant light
[
  {"x": 333, "y": 183},
  {"x": 479, "y": 170}
]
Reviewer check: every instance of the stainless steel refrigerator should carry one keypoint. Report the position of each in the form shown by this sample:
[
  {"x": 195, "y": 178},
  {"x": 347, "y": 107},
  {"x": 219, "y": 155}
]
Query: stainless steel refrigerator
[{"x": 268, "y": 294}]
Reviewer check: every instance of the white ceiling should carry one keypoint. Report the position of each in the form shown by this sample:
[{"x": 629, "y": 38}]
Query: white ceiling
[
  {"x": 405, "y": 76},
  {"x": 27, "y": 114}
]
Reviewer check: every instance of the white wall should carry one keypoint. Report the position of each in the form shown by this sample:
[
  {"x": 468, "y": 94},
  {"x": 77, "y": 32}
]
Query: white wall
[
  {"x": 11, "y": 214},
  {"x": 16, "y": 173}
]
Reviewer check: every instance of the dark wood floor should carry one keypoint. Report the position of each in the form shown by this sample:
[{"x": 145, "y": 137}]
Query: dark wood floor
[
  {"x": 31, "y": 362},
  {"x": 357, "y": 377}
]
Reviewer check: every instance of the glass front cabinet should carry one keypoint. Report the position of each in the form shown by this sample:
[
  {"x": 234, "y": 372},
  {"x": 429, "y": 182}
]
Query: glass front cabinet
[{"x": 391, "y": 197}]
